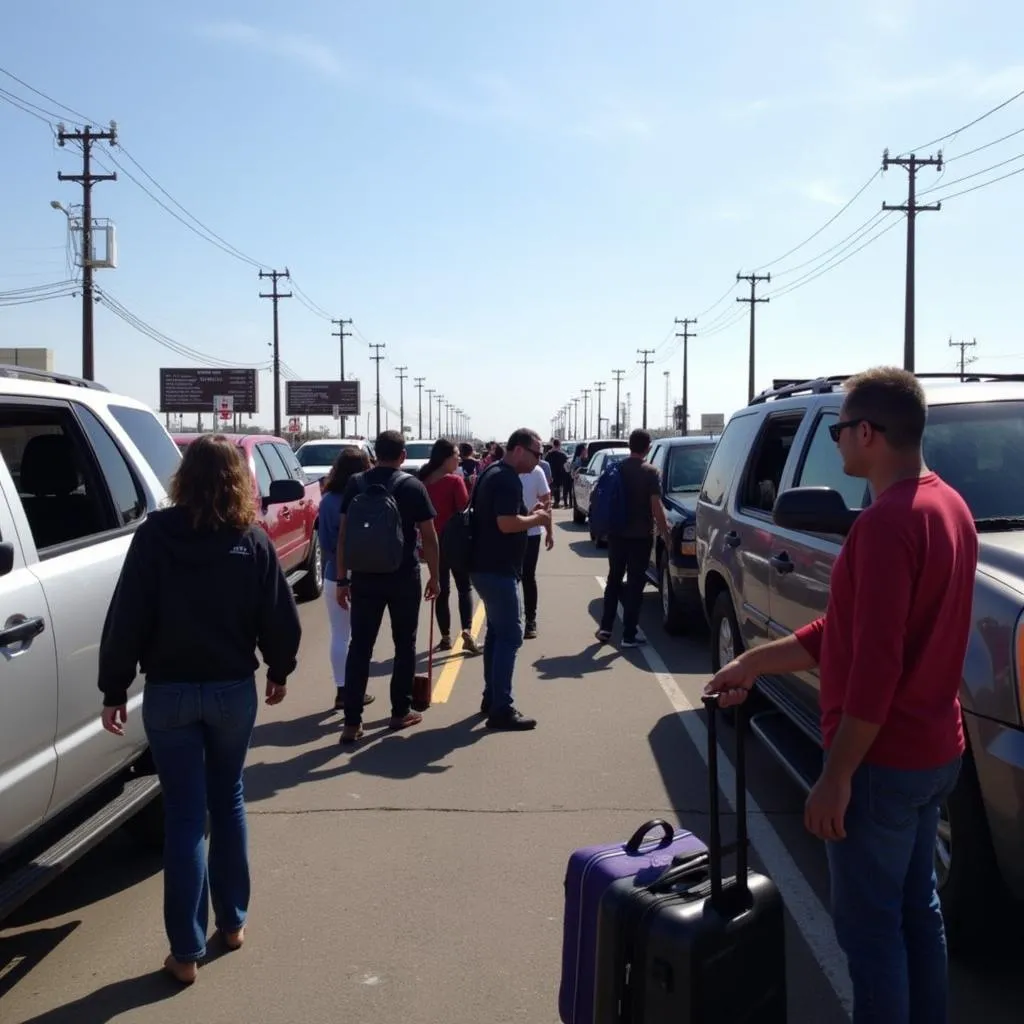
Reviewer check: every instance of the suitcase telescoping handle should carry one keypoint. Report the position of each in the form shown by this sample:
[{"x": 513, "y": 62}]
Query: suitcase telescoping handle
[{"x": 715, "y": 849}]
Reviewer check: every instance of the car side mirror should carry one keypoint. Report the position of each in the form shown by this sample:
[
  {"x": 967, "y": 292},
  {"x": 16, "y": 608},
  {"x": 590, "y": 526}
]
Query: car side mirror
[
  {"x": 813, "y": 510},
  {"x": 283, "y": 491}
]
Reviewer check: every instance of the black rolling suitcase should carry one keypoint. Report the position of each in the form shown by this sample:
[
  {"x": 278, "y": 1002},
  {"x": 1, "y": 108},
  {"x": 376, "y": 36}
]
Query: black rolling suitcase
[{"x": 691, "y": 947}]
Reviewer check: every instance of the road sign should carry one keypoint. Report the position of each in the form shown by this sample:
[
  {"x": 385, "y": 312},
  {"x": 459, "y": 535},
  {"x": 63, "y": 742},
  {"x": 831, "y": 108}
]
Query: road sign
[
  {"x": 193, "y": 389},
  {"x": 712, "y": 422},
  {"x": 224, "y": 406},
  {"x": 294, "y": 426},
  {"x": 321, "y": 397}
]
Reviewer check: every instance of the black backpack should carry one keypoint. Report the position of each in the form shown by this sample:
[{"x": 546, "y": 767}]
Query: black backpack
[
  {"x": 458, "y": 536},
  {"x": 374, "y": 534}
]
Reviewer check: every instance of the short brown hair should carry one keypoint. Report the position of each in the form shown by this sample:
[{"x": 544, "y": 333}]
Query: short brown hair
[
  {"x": 892, "y": 399},
  {"x": 523, "y": 438},
  {"x": 350, "y": 460},
  {"x": 639, "y": 442},
  {"x": 214, "y": 486}
]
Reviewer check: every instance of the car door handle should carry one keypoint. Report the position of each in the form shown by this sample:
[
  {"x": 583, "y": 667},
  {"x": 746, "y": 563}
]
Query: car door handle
[
  {"x": 22, "y": 632},
  {"x": 732, "y": 539},
  {"x": 782, "y": 563}
]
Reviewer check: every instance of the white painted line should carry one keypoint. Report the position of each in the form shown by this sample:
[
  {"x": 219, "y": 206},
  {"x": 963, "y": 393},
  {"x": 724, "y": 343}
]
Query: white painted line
[{"x": 801, "y": 901}]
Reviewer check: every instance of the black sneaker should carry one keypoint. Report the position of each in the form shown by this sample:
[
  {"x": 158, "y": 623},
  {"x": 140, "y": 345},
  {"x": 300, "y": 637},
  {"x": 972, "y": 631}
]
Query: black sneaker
[
  {"x": 339, "y": 699},
  {"x": 512, "y": 720},
  {"x": 485, "y": 707},
  {"x": 530, "y": 633}
]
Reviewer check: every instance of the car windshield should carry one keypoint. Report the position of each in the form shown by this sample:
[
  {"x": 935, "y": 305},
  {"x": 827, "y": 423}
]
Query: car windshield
[
  {"x": 978, "y": 448},
  {"x": 319, "y": 454},
  {"x": 687, "y": 465},
  {"x": 418, "y": 449}
]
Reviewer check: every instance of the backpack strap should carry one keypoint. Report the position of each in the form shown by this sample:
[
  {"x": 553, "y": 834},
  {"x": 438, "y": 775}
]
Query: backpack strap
[{"x": 396, "y": 478}]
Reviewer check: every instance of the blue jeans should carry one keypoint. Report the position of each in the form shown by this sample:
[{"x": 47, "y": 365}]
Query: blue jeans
[
  {"x": 199, "y": 735},
  {"x": 884, "y": 900},
  {"x": 500, "y": 595}
]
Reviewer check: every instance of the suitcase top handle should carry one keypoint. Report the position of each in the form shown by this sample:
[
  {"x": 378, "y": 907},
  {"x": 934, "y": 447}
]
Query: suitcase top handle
[{"x": 640, "y": 835}]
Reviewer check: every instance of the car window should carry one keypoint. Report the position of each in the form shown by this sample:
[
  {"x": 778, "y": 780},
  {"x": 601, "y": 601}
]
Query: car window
[
  {"x": 129, "y": 501},
  {"x": 657, "y": 458},
  {"x": 731, "y": 450},
  {"x": 823, "y": 466},
  {"x": 61, "y": 490},
  {"x": 151, "y": 439},
  {"x": 275, "y": 463},
  {"x": 978, "y": 448},
  {"x": 687, "y": 464},
  {"x": 761, "y": 483},
  {"x": 263, "y": 477},
  {"x": 319, "y": 454},
  {"x": 595, "y": 464},
  {"x": 291, "y": 462},
  {"x": 421, "y": 450}
]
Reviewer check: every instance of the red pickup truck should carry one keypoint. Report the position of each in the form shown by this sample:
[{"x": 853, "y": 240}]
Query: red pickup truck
[{"x": 292, "y": 524}]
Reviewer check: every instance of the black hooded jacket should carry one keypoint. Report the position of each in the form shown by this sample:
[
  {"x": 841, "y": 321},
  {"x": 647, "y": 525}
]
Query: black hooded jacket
[{"x": 192, "y": 607}]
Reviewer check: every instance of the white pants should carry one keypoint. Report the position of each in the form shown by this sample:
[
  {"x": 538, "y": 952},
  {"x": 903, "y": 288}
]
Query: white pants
[{"x": 341, "y": 630}]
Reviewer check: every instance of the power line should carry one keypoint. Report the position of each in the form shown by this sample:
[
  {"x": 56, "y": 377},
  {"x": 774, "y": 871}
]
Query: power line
[
  {"x": 970, "y": 124},
  {"x": 984, "y": 184},
  {"x": 987, "y": 145},
  {"x": 49, "y": 99},
  {"x": 976, "y": 174}
]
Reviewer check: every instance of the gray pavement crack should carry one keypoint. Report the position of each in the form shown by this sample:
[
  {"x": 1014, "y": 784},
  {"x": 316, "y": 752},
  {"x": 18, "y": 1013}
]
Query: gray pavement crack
[{"x": 418, "y": 809}]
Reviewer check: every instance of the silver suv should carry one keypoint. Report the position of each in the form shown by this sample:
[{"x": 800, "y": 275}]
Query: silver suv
[
  {"x": 79, "y": 470},
  {"x": 760, "y": 580}
]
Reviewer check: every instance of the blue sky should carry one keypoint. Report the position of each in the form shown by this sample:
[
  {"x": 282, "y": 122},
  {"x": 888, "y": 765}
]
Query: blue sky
[{"x": 515, "y": 197}]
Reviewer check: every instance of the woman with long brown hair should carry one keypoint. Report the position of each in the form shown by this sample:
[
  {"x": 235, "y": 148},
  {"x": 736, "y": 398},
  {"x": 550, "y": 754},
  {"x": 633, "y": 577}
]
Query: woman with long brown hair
[
  {"x": 200, "y": 590},
  {"x": 350, "y": 461}
]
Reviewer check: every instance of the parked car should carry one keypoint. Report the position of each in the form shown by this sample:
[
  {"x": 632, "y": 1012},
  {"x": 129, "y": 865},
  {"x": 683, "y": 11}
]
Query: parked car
[
  {"x": 681, "y": 462},
  {"x": 289, "y": 513},
  {"x": 417, "y": 455},
  {"x": 759, "y": 581},
  {"x": 583, "y": 486},
  {"x": 80, "y": 470},
  {"x": 317, "y": 457}
]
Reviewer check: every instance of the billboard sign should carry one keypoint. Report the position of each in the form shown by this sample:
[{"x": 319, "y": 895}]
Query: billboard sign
[
  {"x": 196, "y": 389},
  {"x": 322, "y": 398},
  {"x": 712, "y": 422}
]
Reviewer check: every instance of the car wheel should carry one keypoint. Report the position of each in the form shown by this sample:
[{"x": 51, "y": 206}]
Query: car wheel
[
  {"x": 673, "y": 619},
  {"x": 726, "y": 642},
  {"x": 966, "y": 868},
  {"x": 311, "y": 586}
]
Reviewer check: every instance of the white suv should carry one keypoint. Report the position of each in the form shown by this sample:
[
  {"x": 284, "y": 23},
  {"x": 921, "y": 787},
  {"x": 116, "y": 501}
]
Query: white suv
[{"x": 80, "y": 468}]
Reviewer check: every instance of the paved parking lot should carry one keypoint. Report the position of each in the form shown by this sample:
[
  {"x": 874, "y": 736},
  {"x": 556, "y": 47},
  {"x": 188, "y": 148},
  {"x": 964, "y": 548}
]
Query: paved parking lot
[{"x": 418, "y": 878}]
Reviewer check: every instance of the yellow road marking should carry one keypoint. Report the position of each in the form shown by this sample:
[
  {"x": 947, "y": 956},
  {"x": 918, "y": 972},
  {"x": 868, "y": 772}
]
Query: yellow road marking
[{"x": 446, "y": 680}]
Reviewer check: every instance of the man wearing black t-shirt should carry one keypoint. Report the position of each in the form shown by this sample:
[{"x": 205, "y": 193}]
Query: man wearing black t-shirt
[
  {"x": 500, "y": 523},
  {"x": 557, "y": 460},
  {"x": 367, "y": 594}
]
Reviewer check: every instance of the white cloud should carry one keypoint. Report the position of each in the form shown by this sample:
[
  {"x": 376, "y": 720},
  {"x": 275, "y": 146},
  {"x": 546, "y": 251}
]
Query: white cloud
[{"x": 304, "y": 50}]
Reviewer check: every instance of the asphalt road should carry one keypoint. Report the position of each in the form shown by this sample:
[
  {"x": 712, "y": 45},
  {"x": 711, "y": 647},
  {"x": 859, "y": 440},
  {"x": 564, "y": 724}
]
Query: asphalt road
[{"x": 418, "y": 878}]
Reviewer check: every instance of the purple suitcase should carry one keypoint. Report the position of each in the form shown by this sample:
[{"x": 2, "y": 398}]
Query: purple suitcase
[{"x": 590, "y": 872}]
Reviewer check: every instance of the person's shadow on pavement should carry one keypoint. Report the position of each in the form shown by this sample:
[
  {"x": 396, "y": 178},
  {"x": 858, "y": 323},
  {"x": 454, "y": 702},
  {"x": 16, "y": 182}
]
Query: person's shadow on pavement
[
  {"x": 111, "y": 1001},
  {"x": 575, "y": 666}
]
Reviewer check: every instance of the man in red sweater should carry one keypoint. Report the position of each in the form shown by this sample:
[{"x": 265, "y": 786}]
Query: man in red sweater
[{"x": 890, "y": 652}]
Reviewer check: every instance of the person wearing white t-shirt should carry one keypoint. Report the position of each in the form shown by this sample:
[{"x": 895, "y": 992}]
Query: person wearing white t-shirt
[{"x": 535, "y": 490}]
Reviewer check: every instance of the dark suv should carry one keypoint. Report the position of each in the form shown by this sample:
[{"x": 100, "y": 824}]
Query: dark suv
[{"x": 759, "y": 581}]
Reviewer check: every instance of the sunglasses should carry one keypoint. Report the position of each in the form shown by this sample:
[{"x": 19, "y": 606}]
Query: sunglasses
[{"x": 835, "y": 430}]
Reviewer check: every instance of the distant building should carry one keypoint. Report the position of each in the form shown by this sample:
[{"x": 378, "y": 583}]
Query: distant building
[{"x": 30, "y": 358}]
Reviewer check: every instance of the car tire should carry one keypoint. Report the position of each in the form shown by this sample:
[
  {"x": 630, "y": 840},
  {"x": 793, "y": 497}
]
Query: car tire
[
  {"x": 578, "y": 517},
  {"x": 969, "y": 884},
  {"x": 673, "y": 616},
  {"x": 725, "y": 636},
  {"x": 311, "y": 586}
]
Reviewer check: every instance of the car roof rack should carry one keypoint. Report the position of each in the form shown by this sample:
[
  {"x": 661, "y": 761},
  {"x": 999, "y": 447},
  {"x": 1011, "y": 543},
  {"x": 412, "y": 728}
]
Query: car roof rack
[
  {"x": 50, "y": 376},
  {"x": 788, "y": 388}
]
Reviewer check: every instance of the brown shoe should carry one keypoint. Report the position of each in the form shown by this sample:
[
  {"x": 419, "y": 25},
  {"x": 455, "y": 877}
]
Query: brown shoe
[
  {"x": 183, "y": 973},
  {"x": 351, "y": 733},
  {"x": 406, "y": 722},
  {"x": 469, "y": 645},
  {"x": 234, "y": 940}
]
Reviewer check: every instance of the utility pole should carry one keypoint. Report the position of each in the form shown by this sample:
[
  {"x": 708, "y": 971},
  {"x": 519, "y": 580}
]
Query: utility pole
[
  {"x": 618, "y": 375},
  {"x": 599, "y": 391},
  {"x": 645, "y": 361},
  {"x": 911, "y": 209},
  {"x": 575, "y": 419},
  {"x": 754, "y": 280},
  {"x": 378, "y": 358},
  {"x": 341, "y": 334},
  {"x": 87, "y": 179},
  {"x": 430, "y": 412},
  {"x": 400, "y": 373},
  {"x": 276, "y": 296},
  {"x": 668, "y": 397},
  {"x": 686, "y": 336},
  {"x": 586, "y": 416},
  {"x": 440, "y": 423},
  {"x": 964, "y": 346},
  {"x": 419, "y": 382}
]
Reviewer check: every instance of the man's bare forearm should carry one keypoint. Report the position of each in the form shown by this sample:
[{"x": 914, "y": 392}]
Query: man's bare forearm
[
  {"x": 785, "y": 655},
  {"x": 853, "y": 740}
]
